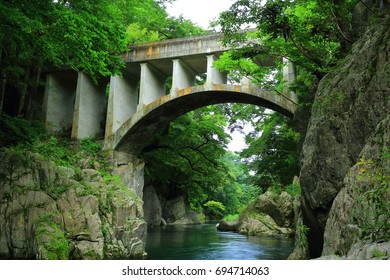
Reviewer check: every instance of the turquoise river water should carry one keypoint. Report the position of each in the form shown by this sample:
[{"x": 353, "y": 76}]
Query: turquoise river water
[{"x": 204, "y": 242}]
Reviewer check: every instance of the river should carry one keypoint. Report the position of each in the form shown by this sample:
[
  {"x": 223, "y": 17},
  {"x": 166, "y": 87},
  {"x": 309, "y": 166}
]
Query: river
[{"x": 204, "y": 242}]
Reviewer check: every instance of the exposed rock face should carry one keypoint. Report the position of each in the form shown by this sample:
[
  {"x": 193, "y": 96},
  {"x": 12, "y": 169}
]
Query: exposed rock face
[
  {"x": 349, "y": 104},
  {"x": 300, "y": 247},
  {"x": 280, "y": 208},
  {"x": 159, "y": 211},
  {"x": 152, "y": 207},
  {"x": 269, "y": 215},
  {"x": 229, "y": 225},
  {"x": 175, "y": 212},
  {"x": 363, "y": 205},
  {"x": 46, "y": 214}
]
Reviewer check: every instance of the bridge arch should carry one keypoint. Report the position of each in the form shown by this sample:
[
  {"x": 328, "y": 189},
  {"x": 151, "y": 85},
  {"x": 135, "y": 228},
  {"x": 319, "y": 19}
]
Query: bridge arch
[{"x": 141, "y": 129}]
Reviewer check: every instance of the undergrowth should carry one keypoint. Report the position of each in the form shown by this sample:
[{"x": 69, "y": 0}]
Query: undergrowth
[{"x": 21, "y": 135}]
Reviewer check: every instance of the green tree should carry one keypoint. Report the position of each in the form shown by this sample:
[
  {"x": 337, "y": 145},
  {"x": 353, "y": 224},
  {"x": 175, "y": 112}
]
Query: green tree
[
  {"x": 36, "y": 35},
  {"x": 313, "y": 34},
  {"x": 272, "y": 152},
  {"x": 86, "y": 36}
]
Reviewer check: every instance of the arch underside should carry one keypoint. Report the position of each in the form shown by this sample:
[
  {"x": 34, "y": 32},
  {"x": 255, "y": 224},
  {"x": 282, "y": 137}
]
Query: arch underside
[{"x": 142, "y": 129}]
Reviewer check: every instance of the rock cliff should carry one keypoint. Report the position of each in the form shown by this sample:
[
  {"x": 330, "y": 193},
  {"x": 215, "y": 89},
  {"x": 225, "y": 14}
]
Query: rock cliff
[
  {"x": 53, "y": 212},
  {"x": 161, "y": 211},
  {"x": 350, "y": 103},
  {"x": 361, "y": 210}
]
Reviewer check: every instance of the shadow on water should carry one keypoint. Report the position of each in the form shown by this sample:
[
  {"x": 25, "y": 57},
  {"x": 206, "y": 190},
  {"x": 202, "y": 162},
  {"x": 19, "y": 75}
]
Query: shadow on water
[{"x": 204, "y": 242}]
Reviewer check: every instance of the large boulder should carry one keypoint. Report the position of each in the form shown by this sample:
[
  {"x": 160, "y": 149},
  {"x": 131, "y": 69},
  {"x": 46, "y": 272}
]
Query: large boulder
[
  {"x": 270, "y": 215},
  {"x": 176, "y": 212},
  {"x": 279, "y": 207},
  {"x": 224, "y": 225}
]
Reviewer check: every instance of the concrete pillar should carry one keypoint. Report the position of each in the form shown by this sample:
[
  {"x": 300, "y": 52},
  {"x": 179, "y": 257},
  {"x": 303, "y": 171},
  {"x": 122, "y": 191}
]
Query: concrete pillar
[
  {"x": 152, "y": 84},
  {"x": 246, "y": 82},
  {"x": 90, "y": 108},
  {"x": 289, "y": 76},
  {"x": 58, "y": 103},
  {"x": 122, "y": 103},
  {"x": 213, "y": 75},
  {"x": 182, "y": 77}
]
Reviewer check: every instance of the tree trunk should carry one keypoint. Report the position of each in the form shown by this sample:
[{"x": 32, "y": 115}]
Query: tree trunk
[
  {"x": 346, "y": 37},
  {"x": 2, "y": 85},
  {"x": 2, "y": 90},
  {"x": 23, "y": 94}
]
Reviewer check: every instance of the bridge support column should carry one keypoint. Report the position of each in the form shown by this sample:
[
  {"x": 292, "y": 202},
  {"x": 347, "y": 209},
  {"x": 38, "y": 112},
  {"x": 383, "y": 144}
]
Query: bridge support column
[
  {"x": 152, "y": 85},
  {"x": 182, "y": 77},
  {"x": 58, "y": 104},
  {"x": 213, "y": 75},
  {"x": 289, "y": 76},
  {"x": 122, "y": 103},
  {"x": 90, "y": 108}
]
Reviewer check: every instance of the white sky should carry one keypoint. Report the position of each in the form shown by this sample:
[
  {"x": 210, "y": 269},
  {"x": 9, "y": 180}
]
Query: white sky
[{"x": 200, "y": 12}]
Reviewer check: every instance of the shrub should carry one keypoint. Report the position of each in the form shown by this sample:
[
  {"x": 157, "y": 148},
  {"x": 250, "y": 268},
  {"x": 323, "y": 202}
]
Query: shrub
[{"x": 214, "y": 209}]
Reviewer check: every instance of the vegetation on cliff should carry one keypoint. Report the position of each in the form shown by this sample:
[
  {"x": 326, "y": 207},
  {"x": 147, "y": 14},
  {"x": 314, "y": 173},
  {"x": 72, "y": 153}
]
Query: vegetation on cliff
[{"x": 64, "y": 198}]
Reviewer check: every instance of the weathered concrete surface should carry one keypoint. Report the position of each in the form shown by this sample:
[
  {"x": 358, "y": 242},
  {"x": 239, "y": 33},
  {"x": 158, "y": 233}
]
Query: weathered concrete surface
[
  {"x": 60, "y": 94},
  {"x": 122, "y": 102},
  {"x": 142, "y": 128},
  {"x": 90, "y": 108}
]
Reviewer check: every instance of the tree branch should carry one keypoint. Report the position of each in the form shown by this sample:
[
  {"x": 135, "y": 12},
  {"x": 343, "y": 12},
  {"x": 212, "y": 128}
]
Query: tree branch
[{"x": 198, "y": 150}]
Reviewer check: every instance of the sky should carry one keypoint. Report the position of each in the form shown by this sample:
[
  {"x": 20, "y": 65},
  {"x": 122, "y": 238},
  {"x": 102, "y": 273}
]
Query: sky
[{"x": 200, "y": 12}]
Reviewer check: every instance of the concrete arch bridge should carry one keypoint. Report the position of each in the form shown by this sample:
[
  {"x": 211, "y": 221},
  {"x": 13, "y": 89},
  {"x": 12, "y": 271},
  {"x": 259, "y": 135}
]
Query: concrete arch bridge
[{"x": 138, "y": 107}]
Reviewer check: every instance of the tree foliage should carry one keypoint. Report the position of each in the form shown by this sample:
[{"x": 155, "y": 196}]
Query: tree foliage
[
  {"x": 86, "y": 36},
  {"x": 190, "y": 159},
  {"x": 272, "y": 152},
  {"x": 313, "y": 34}
]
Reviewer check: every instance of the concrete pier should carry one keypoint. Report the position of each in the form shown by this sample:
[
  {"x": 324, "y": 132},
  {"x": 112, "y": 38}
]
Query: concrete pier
[
  {"x": 122, "y": 102},
  {"x": 60, "y": 94},
  {"x": 152, "y": 84},
  {"x": 90, "y": 108}
]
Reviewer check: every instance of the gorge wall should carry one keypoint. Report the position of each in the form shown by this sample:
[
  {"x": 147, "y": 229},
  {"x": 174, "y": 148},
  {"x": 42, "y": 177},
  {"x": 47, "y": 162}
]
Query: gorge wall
[
  {"x": 351, "y": 109},
  {"x": 53, "y": 212}
]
